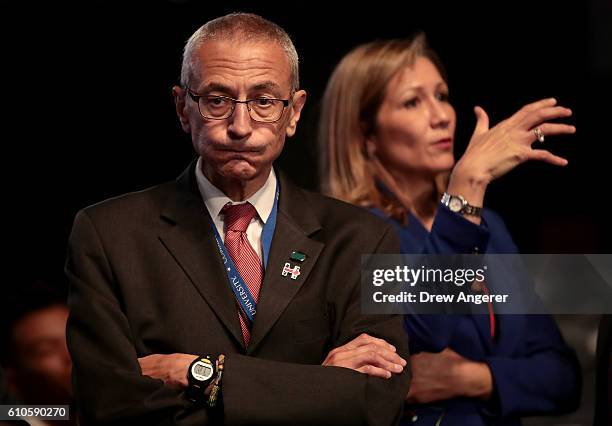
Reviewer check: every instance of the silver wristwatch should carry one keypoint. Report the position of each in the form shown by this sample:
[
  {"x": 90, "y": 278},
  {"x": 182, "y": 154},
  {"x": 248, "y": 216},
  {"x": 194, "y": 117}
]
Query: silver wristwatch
[{"x": 458, "y": 204}]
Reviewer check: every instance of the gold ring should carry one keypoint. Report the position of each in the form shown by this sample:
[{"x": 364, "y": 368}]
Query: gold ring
[{"x": 539, "y": 134}]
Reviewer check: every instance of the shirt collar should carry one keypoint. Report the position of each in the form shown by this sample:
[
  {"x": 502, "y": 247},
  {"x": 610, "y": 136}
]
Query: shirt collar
[{"x": 215, "y": 199}]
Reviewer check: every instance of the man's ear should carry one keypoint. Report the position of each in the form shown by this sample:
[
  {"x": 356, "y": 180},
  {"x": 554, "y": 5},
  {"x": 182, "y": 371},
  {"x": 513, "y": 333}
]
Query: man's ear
[
  {"x": 180, "y": 97},
  {"x": 299, "y": 99}
]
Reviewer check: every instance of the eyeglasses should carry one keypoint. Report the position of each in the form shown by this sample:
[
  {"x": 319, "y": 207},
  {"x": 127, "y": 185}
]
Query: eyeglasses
[{"x": 217, "y": 107}]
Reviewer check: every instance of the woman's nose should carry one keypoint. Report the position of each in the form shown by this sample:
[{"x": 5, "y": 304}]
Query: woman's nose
[{"x": 439, "y": 113}]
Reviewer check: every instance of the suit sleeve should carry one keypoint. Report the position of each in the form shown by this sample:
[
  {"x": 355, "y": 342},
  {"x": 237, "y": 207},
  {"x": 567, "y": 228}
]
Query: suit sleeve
[
  {"x": 111, "y": 390},
  {"x": 107, "y": 379}
]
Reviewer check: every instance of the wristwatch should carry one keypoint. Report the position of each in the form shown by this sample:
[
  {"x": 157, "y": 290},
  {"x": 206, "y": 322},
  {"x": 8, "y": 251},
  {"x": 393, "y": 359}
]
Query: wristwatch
[
  {"x": 200, "y": 374},
  {"x": 458, "y": 204}
]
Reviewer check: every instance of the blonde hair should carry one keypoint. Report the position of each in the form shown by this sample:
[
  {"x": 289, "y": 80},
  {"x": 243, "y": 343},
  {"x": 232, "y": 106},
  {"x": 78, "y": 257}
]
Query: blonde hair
[
  {"x": 354, "y": 94},
  {"x": 244, "y": 27}
]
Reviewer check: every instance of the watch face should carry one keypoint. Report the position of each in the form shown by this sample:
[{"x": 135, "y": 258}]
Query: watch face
[
  {"x": 202, "y": 370},
  {"x": 455, "y": 204}
]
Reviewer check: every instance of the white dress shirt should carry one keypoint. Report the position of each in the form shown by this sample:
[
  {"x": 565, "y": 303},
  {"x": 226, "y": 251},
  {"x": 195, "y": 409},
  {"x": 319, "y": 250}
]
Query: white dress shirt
[{"x": 262, "y": 200}]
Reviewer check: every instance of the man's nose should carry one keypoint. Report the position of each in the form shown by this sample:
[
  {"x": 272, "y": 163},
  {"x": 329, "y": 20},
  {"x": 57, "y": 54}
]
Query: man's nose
[{"x": 240, "y": 124}]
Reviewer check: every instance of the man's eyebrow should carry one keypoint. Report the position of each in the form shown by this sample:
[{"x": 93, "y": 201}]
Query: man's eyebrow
[
  {"x": 213, "y": 86},
  {"x": 220, "y": 87},
  {"x": 266, "y": 85}
]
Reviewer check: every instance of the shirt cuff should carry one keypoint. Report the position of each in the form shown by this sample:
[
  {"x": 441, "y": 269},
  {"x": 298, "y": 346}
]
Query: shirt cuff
[{"x": 458, "y": 234}]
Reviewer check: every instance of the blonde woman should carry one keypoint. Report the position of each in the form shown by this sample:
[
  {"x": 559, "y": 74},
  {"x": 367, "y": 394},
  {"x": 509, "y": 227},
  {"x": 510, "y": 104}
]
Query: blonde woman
[{"x": 387, "y": 133}]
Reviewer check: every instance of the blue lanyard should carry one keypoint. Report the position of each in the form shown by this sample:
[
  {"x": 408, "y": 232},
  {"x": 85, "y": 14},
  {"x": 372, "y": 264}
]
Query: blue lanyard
[{"x": 236, "y": 282}]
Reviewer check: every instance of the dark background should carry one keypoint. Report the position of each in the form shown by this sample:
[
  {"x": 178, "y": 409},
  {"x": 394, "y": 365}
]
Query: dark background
[{"x": 88, "y": 112}]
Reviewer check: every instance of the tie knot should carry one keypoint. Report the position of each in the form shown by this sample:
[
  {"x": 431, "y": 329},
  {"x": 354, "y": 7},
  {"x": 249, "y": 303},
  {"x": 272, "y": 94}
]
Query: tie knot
[{"x": 238, "y": 216}]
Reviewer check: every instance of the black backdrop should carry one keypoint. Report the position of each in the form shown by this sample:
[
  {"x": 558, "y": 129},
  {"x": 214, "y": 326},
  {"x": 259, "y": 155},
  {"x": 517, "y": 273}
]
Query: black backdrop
[{"x": 88, "y": 112}]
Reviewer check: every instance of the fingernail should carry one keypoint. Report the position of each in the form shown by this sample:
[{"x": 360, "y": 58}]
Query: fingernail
[
  {"x": 403, "y": 362},
  {"x": 392, "y": 348},
  {"x": 388, "y": 374},
  {"x": 398, "y": 368}
]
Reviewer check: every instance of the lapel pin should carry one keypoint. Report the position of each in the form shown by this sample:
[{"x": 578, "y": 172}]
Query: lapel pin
[
  {"x": 297, "y": 256},
  {"x": 287, "y": 269}
]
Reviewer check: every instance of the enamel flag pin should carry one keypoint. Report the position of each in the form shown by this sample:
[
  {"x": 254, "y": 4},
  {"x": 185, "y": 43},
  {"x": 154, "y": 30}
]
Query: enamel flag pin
[
  {"x": 287, "y": 269},
  {"x": 298, "y": 256}
]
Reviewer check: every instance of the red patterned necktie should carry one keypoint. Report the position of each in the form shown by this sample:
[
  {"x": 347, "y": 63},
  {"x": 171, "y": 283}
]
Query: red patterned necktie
[{"x": 237, "y": 219}]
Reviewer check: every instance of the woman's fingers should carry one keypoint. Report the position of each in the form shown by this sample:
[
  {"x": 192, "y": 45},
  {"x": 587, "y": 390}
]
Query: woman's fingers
[
  {"x": 546, "y": 156},
  {"x": 541, "y": 115},
  {"x": 534, "y": 106},
  {"x": 494, "y": 152},
  {"x": 482, "y": 121},
  {"x": 552, "y": 129}
]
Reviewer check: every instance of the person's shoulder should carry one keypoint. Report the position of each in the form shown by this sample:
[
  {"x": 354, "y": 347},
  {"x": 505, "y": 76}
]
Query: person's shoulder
[
  {"x": 333, "y": 212},
  {"x": 137, "y": 205}
]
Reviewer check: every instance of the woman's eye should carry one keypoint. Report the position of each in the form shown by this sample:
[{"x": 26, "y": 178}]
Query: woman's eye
[
  {"x": 443, "y": 97},
  {"x": 411, "y": 103}
]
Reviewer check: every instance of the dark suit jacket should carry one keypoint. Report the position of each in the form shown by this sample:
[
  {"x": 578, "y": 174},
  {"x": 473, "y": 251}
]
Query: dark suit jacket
[{"x": 146, "y": 277}]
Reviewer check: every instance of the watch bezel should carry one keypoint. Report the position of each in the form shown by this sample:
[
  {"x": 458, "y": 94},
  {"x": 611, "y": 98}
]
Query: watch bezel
[
  {"x": 196, "y": 378},
  {"x": 451, "y": 205},
  {"x": 465, "y": 209},
  {"x": 201, "y": 377}
]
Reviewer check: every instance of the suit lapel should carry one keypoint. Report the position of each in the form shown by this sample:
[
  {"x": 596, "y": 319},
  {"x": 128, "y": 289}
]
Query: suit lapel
[
  {"x": 190, "y": 241},
  {"x": 295, "y": 223}
]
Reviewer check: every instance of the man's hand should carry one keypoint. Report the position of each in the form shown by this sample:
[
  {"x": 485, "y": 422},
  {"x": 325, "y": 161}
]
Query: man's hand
[
  {"x": 367, "y": 355},
  {"x": 171, "y": 368},
  {"x": 445, "y": 375}
]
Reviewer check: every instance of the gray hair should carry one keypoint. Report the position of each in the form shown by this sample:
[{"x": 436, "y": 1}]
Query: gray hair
[{"x": 244, "y": 27}]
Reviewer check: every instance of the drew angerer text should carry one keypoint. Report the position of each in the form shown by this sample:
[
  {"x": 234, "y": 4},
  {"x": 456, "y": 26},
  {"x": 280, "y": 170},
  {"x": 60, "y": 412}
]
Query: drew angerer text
[{"x": 426, "y": 297}]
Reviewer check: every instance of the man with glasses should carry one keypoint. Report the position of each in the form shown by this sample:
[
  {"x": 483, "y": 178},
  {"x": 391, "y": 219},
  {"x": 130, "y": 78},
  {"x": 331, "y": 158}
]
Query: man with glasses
[{"x": 230, "y": 296}]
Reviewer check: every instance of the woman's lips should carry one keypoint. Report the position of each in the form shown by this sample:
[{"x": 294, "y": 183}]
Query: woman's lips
[{"x": 445, "y": 144}]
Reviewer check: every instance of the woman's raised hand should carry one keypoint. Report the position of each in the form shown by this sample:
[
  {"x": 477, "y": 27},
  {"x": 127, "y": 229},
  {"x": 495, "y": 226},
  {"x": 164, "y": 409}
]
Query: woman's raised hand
[{"x": 493, "y": 152}]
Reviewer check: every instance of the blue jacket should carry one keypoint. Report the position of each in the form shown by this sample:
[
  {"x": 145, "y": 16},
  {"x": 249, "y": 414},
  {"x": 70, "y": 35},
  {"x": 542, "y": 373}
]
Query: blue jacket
[{"x": 534, "y": 371}]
